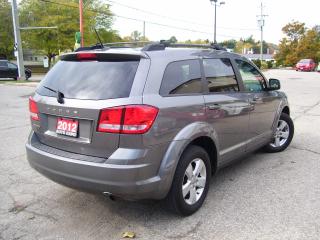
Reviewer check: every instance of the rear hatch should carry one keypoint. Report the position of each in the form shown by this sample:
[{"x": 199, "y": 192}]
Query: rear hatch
[{"x": 71, "y": 96}]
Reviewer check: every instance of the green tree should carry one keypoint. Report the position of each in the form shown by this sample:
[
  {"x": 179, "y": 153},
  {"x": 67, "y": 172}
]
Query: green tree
[
  {"x": 231, "y": 44},
  {"x": 173, "y": 39},
  {"x": 136, "y": 36},
  {"x": 6, "y": 29},
  {"x": 65, "y": 15}
]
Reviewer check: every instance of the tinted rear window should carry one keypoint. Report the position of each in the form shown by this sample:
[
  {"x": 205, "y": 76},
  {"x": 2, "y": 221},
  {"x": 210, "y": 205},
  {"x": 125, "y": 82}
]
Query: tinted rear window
[
  {"x": 90, "y": 80},
  {"x": 182, "y": 77}
]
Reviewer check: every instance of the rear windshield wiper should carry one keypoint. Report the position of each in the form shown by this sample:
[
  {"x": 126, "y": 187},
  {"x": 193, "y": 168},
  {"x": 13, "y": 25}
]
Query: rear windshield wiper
[{"x": 60, "y": 95}]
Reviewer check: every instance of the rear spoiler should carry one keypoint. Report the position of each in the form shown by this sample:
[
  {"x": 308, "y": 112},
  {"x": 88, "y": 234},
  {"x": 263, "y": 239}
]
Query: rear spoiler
[{"x": 101, "y": 56}]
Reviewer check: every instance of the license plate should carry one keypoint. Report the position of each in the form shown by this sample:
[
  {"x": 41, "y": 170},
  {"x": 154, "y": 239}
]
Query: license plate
[{"x": 67, "y": 127}]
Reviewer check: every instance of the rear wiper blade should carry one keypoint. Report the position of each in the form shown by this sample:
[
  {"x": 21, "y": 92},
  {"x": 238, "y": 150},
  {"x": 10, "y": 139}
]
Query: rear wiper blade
[
  {"x": 52, "y": 90},
  {"x": 60, "y": 95}
]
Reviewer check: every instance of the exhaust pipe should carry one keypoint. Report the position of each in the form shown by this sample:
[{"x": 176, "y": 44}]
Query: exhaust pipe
[{"x": 109, "y": 195}]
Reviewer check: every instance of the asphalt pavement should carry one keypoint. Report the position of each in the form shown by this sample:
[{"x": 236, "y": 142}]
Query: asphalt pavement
[{"x": 262, "y": 196}]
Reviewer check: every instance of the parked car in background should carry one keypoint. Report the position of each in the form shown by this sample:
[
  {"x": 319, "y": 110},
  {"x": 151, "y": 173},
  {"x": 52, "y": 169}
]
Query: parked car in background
[
  {"x": 155, "y": 122},
  {"x": 10, "y": 70},
  {"x": 306, "y": 65}
]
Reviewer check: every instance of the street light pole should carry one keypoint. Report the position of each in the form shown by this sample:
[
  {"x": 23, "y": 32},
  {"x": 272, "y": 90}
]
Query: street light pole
[
  {"x": 17, "y": 38},
  {"x": 215, "y": 2},
  {"x": 215, "y": 21}
]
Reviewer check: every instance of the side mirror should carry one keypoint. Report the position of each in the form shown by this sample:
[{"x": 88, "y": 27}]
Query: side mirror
[{"x": 274, "y": 84}]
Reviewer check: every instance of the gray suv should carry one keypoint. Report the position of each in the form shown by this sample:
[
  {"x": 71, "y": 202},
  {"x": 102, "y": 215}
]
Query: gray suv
[{"x": 154, "y": 122}]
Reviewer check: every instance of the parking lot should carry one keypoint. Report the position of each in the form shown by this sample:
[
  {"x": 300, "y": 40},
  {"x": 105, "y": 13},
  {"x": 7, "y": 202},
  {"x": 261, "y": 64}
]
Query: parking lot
[{"x": 263, "y": 196}]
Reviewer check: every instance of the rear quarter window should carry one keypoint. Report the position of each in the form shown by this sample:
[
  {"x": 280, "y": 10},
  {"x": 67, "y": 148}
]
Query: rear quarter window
[
  {"x": 182, "y": 77},
  {"x": 90, "y": 79}
]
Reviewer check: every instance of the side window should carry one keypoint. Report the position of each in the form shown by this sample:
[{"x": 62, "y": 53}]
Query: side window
[
  {"x": 3, "y": 64},
  {"x": 12, "y": 66},
  {"x": 253, "y": 81},
  {"x": 220, "y": 75},
  {"x": 183, "y": 77}
]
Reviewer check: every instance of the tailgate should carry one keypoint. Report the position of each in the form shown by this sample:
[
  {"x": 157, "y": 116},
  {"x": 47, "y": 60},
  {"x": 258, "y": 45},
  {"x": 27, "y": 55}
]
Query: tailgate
[{"x": 87, "y": 141}]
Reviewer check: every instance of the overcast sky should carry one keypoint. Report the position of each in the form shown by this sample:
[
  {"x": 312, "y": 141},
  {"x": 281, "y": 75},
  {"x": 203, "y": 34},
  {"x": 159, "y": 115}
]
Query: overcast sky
[{"x": 235, "y": 19}]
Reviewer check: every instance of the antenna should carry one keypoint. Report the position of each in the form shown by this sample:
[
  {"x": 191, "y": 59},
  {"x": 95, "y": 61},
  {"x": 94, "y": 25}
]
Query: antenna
[{"x": 97, "y": 34}]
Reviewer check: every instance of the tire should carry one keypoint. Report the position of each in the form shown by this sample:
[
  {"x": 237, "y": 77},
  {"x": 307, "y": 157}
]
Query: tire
[
  {"x": 285, "y": 131},
  {"x": 189, "y": 203},
  {"x": 15, "y": 78}
]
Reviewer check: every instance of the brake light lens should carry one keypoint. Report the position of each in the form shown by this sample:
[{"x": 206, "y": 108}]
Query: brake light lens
[
  {"x": 86, "y": 56},
  {"x": 33, "y": 108},
  {"x": 130, "y": 119}
]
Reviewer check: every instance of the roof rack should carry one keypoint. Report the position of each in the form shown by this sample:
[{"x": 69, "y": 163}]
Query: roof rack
[
  {"x": 126, "y": 43},
  {"x": 164, "y": 44},
  {"x": 151, "y": 46}
]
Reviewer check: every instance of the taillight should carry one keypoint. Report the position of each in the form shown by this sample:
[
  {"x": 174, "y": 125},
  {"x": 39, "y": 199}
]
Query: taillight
[
  {"x": 86, "y": 56},
  {"x": 33, "y": 108},
  {"x": 130, "y": 119},
  {"x": 110, "y": 120}
]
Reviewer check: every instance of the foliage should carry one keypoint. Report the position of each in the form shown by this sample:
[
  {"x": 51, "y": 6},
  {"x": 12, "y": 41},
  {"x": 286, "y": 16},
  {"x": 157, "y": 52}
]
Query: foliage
[
  {"x": 64, "y": 15},
  {"x": 135, "y": 36},
  {"x": 257, "y": 62},
  {"x": 6, "y": 29},
  {"x": 299, "y": 43},
  {"x": 263, "y": 64},
  {"x": 230, "y": 44},
  {"x": 198, "y": 41},
  {"x": 294, "y": 30},
  {"x": 173, "y": 39}
]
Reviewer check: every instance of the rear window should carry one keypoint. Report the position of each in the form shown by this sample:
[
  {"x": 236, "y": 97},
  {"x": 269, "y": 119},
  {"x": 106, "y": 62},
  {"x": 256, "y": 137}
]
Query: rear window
[
  {"x": 305, "y": 61},
  {"x": 90, "y": 79}
]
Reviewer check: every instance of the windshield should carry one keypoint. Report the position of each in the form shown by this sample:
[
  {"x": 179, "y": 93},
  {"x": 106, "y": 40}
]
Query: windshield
[{"x": 90, "y": 79}]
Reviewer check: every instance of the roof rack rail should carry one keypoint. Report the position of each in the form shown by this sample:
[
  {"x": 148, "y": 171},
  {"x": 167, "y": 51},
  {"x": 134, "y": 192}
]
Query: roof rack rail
[
  {"x": 125, "y": 43},
  {"x": 164, "y": 44},
  {"x": 151, "y": 46}
]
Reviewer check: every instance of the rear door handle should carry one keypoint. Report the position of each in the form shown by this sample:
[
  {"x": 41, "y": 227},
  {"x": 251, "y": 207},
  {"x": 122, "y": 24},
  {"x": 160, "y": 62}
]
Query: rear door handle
[{"x": 214, "y": 106}]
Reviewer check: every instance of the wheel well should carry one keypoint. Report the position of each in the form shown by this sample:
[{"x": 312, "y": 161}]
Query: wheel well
[
  {"x": 207, "y": 144},
  {"x": 286, "y": 110}
]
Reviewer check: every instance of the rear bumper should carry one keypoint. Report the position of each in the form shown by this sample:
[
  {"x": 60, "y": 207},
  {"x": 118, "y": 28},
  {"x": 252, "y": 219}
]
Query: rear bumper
[
  {"x": 126, "y": 181},
  {"x": 304, "y": 68}
]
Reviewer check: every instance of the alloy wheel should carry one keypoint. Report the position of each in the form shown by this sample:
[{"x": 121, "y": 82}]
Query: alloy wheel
[{"x": 194, "y": 181}]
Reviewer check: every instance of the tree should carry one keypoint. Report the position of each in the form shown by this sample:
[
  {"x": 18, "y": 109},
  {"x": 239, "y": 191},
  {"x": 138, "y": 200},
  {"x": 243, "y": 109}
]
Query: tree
[
  {"x": 230, "y": 44},
  {"x": 198, "y": 41},
  {"x": 6, "y": 30},
  {"x": 299, "y": 43},
  {"x": 294, "y": 30},
  {"x": 65, "y": 15},
  {"x": 173, "y": 39},
  {"x": 309, "y": 46},
  {"x": 136, "y": 36}
]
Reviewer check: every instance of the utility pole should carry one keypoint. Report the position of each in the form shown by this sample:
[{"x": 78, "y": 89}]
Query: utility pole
[
  {"x": 261, "y": 23},
  {"x": 144, "y": 30},
  {"x": 215, "y": 2},
  {"x": 17, "y": 39},
  {"x": 81, "y": 22}
]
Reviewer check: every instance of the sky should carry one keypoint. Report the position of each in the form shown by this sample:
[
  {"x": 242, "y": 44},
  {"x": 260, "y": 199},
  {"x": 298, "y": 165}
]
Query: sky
[{"x": 235, "y": 19}]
